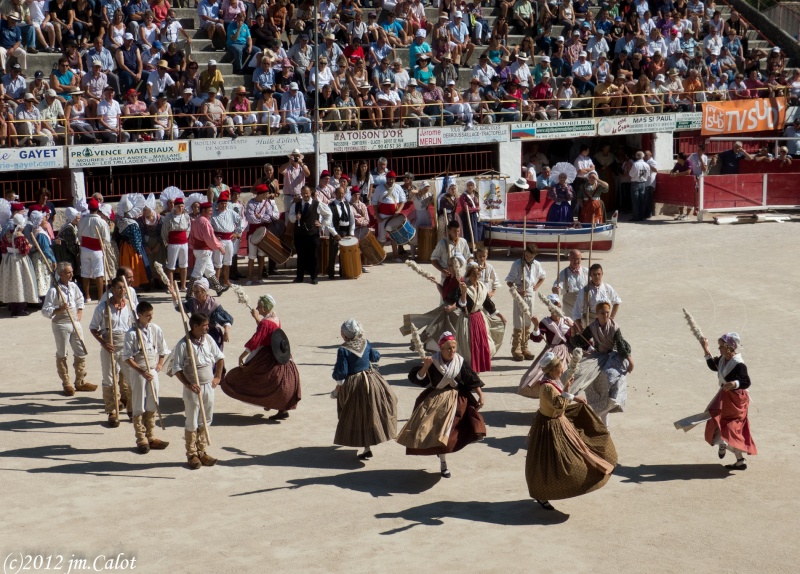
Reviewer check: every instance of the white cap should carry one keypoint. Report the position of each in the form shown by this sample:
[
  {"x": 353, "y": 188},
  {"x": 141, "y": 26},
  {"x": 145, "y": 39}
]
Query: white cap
[
  {"x": 51, "y": 92},
  {"x": 660, "y": 78},
  {"x": 560, "y": 39},
  {"x": 776, "y": 49},
  {"x": 212, "y": 62},
  {"x": 451, "y": 82},
  {"x": 458, "y": 14},
  {"x": 546, "y": 75},
  {"x": 128, "y": 36},
  {"x": 424, "y": 185},
  {"x": 412, "y": 82},
  {"x": 421, "y": 34},
  {"x": 546, "y": 59},
  {"x": 582, "y": 55},
  {"x": 294, "y": 86}
]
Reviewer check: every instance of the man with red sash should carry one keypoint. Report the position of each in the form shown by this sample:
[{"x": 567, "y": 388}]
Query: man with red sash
[
  {"x": 387, "y": 201},
  {"x": 93, "y": 233},
  {"x": 202, "y": 242},
  {"x": 175, "y": 233},
  {"x": 261, "y": 211},
  {"x": 228, "y": 227}
]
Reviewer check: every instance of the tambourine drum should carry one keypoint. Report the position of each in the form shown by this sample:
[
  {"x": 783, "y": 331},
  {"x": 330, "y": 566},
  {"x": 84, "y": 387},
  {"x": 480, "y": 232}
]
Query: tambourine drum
[
  {"x": 324, "y": 255},
  {"x": 399, "y": 229},
  {"x": 426, "y": 242},
  {"x": 372, "y": 250},
  {"x": 271, "y": 245},
  {"x": 350, "y": 258}
]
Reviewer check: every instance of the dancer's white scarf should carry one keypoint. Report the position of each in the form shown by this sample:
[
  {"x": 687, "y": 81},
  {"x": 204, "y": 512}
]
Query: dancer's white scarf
[
  {"x": 557, "y": 328},
  {"x": 449, "y": 370},
  {"x": 724, "y": 367}
]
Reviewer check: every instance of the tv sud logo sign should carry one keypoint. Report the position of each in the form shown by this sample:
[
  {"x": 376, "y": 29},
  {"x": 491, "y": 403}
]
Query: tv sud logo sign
[{"x": 742, "y": 116}]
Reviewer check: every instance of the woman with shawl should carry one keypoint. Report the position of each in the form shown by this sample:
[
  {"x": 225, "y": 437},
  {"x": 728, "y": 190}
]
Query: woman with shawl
[
  {"x": 67, "y": 247},
  {"x": 470, "y": 213},
  {"x": 561, "y": 194},
  {"x": 219, "y": 321},
  {"x": 554, "y": 330},
  {"x": 445, "y": 417},
  {"x": 446, "y": 208},
  {"x": 365, "y": 402},
  {"x": 18, "y": 285},
  {"x": 592, "y": 205},
  {"x": 601, "y": 373},
  {"x": 149, "y": 223},
  {"x": 260, "y": 379},
  {"x": 41, "y": 266},
  {"x": 129, "y": 238},
  {"x": 570, "y": 451},
  {"x": 729, "y": 426},
  {"x": 422, "y": 198}
]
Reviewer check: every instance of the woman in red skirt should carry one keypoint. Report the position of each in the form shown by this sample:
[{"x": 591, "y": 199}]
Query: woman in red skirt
[{"x": 729, "y": 426}]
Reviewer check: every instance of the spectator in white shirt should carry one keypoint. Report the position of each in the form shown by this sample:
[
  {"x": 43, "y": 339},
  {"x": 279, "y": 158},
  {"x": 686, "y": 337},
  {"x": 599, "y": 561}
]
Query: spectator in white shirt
[{"x": 639, "y": 174}]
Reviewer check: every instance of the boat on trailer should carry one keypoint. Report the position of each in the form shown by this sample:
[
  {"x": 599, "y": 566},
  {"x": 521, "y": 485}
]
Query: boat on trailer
[{"x": 545, "y": 234}]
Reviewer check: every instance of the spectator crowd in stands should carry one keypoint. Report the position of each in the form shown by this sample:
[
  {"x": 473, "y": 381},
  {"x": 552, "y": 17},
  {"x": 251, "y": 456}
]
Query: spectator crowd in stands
[{"x": 127, "y": 72}]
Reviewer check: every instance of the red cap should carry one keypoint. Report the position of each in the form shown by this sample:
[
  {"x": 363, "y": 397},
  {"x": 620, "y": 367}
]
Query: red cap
[
  {"x": 15, "y": 206},
  {"x": 130, "y": 92},
  {"x": 325, "y": 173},
  {"x": 345, "y": 177},
  {"x": 355, "y": 189},
  {"x": 391, "y": 174},
  {"x": 178, "y": 201},
  {"x": 35, "y": 207},
  {"x": 260, "y": 188},
  {"x": 224, "y": 196},
  {"x": 206, "y": 205},
  {"x": 236, "y": 189},
  {"x": 93, "y": 205}
]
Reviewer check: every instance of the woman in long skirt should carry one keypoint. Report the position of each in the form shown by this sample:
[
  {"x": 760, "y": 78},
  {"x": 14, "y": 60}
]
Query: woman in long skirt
[
  {"x": 422, "y": 199},
  {"x": 150, "y": 229},
  {"x": 445, "y": 417},
  {"x": 41, "y": 265},
  {"x": 470, "y": 213},
  {"x": 591, "y": 204},
  {"x": 18, "y": 285},
  {"x": 261, "y": 378},
  {"x": 561, "y": 194},
  {"x": 483, "y": 341},
  {"x": 554, "y": 330},
  {"x": 366, "y": 404},
  {"x": 729, "y": 426},
  {"x": 602, "y": 372},
  {"x": 67, "y": 247},
  {"x": 570, "y": 451}
]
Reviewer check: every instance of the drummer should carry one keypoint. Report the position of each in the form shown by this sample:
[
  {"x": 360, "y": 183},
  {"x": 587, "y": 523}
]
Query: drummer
[
  {"x": 388, "y": 201},
  {"x": 422, "y": 199},
  {"x": 344, "y": 225},
  {"x": 261, "y": 211},
  {"x": 360, "y": 213},
  {"x": 324, "y": 191}
]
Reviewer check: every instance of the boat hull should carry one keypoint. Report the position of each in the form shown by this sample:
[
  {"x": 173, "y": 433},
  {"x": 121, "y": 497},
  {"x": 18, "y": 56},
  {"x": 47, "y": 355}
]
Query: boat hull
[{"x": 546, "y": 236}]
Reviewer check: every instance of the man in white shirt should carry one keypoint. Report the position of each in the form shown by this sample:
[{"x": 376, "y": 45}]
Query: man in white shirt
[
  {"x": 526, "y": 276},
  {"x": 570, "y": 281},
  {"x": 310, "y": 217},
  {"x": 597, "y": 291},
  {"x": 483, "y": 71},
  {"x": 650, "y": 188},
  {"x": 582, "y": 73},
  {"x": 453, "y": 245},
  {"x": 387, "y": 201},
  {"x": 584, "y": 165},
  {"x": 343, "y": 225},
  {"x": 639, "y": 173},
  {"x": 597, "y": 45},
  {"x": 521, "y": 70},
  {"x": 459, "y": 33},
  {"x": 108, "y": 112}
]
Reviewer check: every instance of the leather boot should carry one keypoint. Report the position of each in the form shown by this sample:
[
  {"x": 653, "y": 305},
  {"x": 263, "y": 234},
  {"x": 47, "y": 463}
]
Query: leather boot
[
  {"x": 139, "y": 431},
  {"x": 111, "y": 407},
  {"x": 125, "y": 395},
  {"x": 516, "y": 345},
  {"x": 63, "y": 373},
  {"x": 214, "y": 283},
  {"x": 202, "y": 445},
  {"x": 149, "y": 427},
  {"x": 526, "y": 338},
  {"x": 79, "y": 364},
  {"x": 191, "y": 449},
  {"x": 189, "y": 284}
]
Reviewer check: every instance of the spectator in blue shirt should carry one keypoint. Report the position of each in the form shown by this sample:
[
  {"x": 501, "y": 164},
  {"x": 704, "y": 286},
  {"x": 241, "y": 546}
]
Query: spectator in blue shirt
[{"x": 240, "y": 43}]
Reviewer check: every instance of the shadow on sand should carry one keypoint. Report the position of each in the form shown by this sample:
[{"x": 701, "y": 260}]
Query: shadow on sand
[{"x": 668, "y": 472}]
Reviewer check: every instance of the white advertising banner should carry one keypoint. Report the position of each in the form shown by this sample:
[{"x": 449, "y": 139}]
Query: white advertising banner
[
  {"x": 128, "y": 154},
  {"x": 29, "y": 158},
  {"x": 460, "y": 135},
  {"x": 554, "y": 129},
  {"x": 688, "y": 121},
  {"x": 251, "y": 146},
  {"x": 623, "y": 125},
  {"x": 366, "y": 140}
]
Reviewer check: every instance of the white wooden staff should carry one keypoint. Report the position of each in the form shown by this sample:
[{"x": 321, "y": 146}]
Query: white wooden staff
[
  {"x": 60, "y": 294},
  {"x": 144, "y": 353},
  {"x": 173, "y": 291},
  {"x": 115, "y": 381},
  {"x": 586, "y": 299},
  {"x": 471, "y": 234},
  {"x": 524, "y": 246}
]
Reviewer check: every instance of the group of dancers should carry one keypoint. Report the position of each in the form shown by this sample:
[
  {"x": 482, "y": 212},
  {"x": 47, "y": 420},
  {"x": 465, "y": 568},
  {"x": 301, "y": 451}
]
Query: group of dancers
[{"x": 570, "y": 449}]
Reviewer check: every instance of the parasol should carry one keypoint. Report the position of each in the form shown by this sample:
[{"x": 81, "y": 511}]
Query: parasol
[
  {"x": 563, "y": 167},
  {"x": 5, "y": 212}
]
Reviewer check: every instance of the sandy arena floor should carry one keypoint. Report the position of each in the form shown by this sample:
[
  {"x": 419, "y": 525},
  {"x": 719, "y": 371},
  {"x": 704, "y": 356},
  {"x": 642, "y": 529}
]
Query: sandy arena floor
[{"x": 283, "y": 499}]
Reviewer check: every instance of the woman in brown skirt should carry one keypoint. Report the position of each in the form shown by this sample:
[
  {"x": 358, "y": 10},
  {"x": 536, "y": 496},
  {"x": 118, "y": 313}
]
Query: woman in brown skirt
[
  {"x": 262, "y": 378},
  {"x": 445, "y": 417},
  {"x": 365, "y": 402},
  {"x": 570, "y": 451}
]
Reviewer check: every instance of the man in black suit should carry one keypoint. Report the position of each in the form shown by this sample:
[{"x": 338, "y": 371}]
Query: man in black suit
[
  {"x": 344, "y": 225},
  {"x": 309, "y": 217}
]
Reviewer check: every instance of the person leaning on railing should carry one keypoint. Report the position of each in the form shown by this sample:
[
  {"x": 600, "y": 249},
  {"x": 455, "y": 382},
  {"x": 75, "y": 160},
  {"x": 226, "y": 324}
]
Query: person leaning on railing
[
  {"x": 368, "y": 109},
  {"x": 81, "y": 130},
  {"x": 240, "y": 113},
  {"x": 215, "y": 121},
  {"x": 269, "y": 118},
  {"x": 163, "y": 121},
  {"x": 413, "y": 109},
  {"x": 326, "y": 114},
  {"x": 53, "y": 120},
  {"x": 136, "y": 117},
  {"x": 29, "y": 124},
  {"x": 346, "y": 110},
  {"x": 186, "y": 115}
]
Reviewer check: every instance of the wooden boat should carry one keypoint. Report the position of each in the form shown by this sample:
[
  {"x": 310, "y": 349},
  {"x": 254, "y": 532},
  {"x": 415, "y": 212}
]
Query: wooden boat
[{"x": 545, "y": 235}]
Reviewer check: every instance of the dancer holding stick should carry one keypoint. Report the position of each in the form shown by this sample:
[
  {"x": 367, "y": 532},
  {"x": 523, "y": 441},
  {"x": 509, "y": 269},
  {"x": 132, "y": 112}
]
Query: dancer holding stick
[
  {"x": 162, "y": 346},
  {"x": 62, "y": 300},
  {"x": 525, "y": 276},
  {"x": 113, "y": 318}
]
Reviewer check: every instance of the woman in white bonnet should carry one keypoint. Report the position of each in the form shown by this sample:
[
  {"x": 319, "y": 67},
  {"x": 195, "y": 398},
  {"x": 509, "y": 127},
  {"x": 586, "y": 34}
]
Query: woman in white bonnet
[
  {"x": 17, "y": 279},
  {"x": 365, "y": 402}
]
